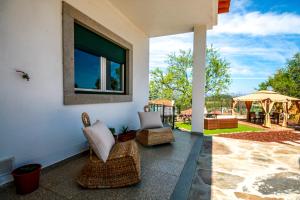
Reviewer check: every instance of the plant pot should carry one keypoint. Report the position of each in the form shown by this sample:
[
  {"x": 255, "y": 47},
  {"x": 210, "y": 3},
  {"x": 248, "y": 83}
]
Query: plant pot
[
  {"x": 27, "y": 178},
  {"x": 129, "y": 135}
]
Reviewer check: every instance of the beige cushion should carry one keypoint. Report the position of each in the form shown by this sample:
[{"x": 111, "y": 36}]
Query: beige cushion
[
  {"x": 150, "y": 120},
  {"x": 100, "y": 139}
]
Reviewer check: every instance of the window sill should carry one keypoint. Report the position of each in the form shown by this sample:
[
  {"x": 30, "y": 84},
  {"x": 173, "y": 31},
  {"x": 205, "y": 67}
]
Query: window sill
[
  {"x": 75, "y": 98},
  {"x": 99, "y": 92}
]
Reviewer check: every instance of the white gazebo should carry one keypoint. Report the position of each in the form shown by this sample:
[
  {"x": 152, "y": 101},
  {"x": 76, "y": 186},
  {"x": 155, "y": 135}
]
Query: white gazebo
[{"x": 267, "y": 100}]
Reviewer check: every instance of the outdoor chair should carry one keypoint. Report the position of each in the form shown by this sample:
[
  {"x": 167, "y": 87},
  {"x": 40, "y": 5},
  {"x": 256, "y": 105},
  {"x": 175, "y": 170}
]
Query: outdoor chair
[
  {"x": 154, "y": 136},
  {"x": 150, "y": 137},
  {"x": 275, "y": 117},
  {"x": 122, "y": 168},
  {"x": 261, "y": 117},
  {"x": 253, "y": 117}
]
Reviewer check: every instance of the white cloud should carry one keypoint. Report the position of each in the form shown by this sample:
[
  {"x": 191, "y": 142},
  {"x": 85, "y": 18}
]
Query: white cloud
[
  {"x": 268, "y": 49},
  {"x": 171, "y": 43},
  {"x": 258, "y": 24},
  {"x": 160, "y": 47},
  {"x": 240, "y": 70},
  {"x": 266, "y": 53}
]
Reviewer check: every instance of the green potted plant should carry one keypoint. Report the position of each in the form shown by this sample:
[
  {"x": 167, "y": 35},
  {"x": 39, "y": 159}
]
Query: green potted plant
[
  {"x": 124, "y": 129},
  {"x": 126, "y": 134},
  {"x": 26, "y": 178},
  {"x": 113, "y": 131}
]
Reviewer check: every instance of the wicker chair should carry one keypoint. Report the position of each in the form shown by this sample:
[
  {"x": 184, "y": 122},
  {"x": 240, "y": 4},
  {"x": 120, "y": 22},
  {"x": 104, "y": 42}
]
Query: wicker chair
[
  {"x": 155, "y": 136},
  {"x": 121, "y": 169}
]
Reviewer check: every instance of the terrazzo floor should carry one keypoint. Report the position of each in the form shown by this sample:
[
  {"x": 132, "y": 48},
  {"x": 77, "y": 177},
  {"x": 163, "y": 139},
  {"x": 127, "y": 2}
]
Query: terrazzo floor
[
  {"x": 249, "y": 170},
  {"x": 161, "y": 167}
]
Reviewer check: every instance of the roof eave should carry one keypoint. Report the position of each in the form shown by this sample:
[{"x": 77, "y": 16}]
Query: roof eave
[{"x": 223, "y": 6}]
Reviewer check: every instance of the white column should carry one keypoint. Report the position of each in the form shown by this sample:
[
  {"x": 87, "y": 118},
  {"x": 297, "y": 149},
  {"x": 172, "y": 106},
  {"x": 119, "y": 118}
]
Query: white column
[{"x": 198, "y": 99}]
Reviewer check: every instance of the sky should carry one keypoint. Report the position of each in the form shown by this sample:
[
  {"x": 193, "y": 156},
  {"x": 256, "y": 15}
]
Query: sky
[{"x": 256, "y": 37}]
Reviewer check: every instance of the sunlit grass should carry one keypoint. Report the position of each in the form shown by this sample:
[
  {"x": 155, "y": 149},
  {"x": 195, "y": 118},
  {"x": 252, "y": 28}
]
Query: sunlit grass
[{"x": 240, "y": 128}]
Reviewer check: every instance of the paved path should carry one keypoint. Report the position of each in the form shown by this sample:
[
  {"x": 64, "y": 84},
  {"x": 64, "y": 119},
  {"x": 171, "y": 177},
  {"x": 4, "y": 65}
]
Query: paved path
[{"x": 240, "y": 169}]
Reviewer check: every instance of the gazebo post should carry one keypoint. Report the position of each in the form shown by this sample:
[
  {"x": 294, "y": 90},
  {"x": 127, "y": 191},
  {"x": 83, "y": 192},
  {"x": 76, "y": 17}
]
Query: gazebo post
[
  {"x": 267, "y": 105},
  {"x": 286, "y": 106},
  {"x": 248, "y": 107},
  {"x": 298, "y": 107},
  {"x": 233, "y": 106}
]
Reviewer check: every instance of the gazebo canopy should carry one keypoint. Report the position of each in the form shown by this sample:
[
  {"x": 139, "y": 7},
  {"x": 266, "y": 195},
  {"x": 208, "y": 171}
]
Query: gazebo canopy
[
  {"x": 267, "y": 100},
  {"x": 264, "y": 95}
]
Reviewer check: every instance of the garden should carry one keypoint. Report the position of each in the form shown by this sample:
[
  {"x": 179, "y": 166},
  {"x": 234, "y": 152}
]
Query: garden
[{"x": 241, "y": 128}]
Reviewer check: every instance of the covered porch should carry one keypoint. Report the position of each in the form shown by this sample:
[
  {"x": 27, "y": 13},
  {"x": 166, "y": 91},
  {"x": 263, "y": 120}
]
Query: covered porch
[
  {"x": 167, "y": 173},
  {"x": 41, "y": 113}
]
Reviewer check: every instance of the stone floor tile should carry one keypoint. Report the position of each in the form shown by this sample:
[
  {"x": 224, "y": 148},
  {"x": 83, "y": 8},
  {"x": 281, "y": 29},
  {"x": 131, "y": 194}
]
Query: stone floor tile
[{"x": 230, "y": 169}]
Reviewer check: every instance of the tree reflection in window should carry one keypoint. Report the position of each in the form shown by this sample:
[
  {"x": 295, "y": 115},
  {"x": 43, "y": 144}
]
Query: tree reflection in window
[{"x": 114, "y": 77}]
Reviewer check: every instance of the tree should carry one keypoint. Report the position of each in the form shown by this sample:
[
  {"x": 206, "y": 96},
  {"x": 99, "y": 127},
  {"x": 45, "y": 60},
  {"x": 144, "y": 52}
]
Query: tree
[
  {"x": 176, "y": 81},
  {"x": 285, "y": 80},
  {"x": 217, "y": 73}
]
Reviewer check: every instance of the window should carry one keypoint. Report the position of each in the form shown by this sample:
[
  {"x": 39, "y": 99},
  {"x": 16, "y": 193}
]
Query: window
[
  {"x": 97, "y": 62},
  {"x": 97, "y": 74},
  {"x": 87, "y": 71}
]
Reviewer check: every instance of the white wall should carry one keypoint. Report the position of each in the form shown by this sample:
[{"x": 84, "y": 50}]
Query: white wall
[{"x": 35, "y": 125}]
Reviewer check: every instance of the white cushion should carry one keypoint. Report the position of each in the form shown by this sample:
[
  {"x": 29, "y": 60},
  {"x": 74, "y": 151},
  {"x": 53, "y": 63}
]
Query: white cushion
[
  {"x": 150, "y": 120},
  {"x": 100, "y": 139}
]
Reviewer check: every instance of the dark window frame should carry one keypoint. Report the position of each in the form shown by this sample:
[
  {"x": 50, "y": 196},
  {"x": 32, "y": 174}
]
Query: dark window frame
[{"x": 73, "y": 97}]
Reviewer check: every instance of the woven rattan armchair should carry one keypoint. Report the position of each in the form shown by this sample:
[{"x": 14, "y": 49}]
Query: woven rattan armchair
[
  {"x": 154, "y": 136},
  {"x": 121, "y": 169}
]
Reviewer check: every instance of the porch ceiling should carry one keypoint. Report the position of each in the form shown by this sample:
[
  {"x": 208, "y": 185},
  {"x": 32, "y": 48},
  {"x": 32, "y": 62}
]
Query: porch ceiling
[{"x": 166, "y": 17}]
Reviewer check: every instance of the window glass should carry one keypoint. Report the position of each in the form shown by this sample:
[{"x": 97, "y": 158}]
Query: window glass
[
  {"x": 114, "y": 76},
  {"x": 87, "y": 70}
]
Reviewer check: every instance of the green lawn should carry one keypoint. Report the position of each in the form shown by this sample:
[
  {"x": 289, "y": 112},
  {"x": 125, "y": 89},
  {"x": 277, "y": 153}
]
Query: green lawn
[{"x": 241, "y": 128}]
